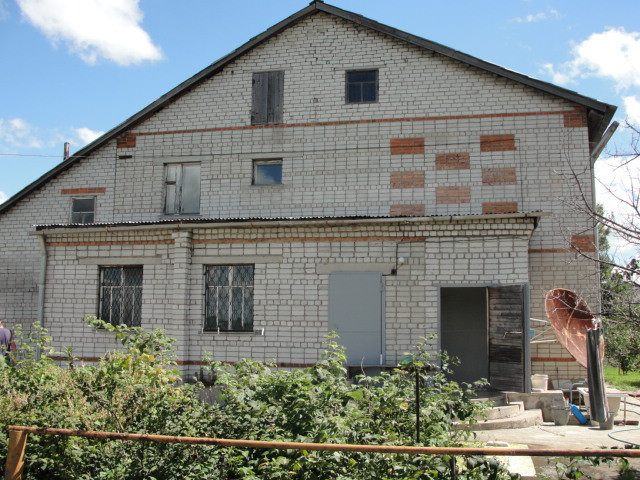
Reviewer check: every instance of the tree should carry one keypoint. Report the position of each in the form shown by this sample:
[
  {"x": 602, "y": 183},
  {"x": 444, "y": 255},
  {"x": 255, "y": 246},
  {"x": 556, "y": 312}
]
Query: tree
[{"x": 620, "y": 278}]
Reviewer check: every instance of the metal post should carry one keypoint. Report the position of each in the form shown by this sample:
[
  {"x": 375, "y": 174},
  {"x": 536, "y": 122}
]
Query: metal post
[
  {"x": 417, "y": 406},
  {"x": 15, "y": 456}
]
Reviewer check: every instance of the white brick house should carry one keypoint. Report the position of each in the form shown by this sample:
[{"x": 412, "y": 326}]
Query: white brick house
[{"x": 332, "y": 173}]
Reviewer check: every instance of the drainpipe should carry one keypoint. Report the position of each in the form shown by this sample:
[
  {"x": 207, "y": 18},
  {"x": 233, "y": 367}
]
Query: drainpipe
[
  {"x": 41, "y": 286},
  {"x": 597, "y": 150}
]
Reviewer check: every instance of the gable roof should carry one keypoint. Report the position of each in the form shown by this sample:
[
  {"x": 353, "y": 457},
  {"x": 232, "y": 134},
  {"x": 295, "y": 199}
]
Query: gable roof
[{"x": 599, "y": 114}]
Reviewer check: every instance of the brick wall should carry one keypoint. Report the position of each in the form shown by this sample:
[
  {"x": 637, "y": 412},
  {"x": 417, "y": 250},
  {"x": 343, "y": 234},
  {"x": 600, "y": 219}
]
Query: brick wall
[{"x": 479, "y": 150}]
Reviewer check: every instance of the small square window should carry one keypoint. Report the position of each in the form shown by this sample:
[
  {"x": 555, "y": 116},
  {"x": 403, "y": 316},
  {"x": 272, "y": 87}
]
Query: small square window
[
  {"x": 83, "y": 210},
  {"x": 121, "y": 295},
  {"x": 362, "y": 86},
  {"x": 267, "y": 172}
]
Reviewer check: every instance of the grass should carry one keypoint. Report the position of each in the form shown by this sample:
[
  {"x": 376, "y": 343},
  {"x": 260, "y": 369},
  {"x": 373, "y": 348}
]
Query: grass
[{"x": 628, "y": 382}]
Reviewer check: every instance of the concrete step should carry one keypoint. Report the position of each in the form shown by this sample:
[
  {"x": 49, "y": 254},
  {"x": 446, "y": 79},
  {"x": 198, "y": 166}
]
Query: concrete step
[
  {"x": 504, "y": 411},
  {"x": 526, "y": 418},
  {"x": 496, "y": 399}
]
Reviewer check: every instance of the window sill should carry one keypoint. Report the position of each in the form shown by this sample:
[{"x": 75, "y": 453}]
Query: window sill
[
  {"x": 266, "y": 185},
  {"x": 180, "y": 215}
]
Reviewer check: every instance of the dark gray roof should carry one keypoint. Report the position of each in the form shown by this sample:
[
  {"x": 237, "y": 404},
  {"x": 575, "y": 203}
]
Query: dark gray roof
[
  {"x": 599, "y": 113},
  {"x": 534, "y": 215}
]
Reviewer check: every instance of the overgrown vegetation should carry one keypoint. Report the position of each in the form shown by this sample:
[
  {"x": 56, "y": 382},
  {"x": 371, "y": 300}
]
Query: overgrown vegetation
[{"x": 137, "y": 390}]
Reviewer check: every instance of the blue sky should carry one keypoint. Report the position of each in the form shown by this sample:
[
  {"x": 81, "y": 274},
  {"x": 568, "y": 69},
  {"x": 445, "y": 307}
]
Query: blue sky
[{"x": 72, "y": 69}]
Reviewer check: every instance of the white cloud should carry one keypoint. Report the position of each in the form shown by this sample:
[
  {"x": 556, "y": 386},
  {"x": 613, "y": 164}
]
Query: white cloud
[
  {"x": 86, "y": 135},
  {"x": 94, "y": 29},
  {"x": 17, "y": 133},
  {"x": 3, "y": 196},
  {"x": 632, "y": 106},
  {"x": 536, "y": 17},
  {"x": 4, "y": 12},
  {"x": 613, "y": 54}
]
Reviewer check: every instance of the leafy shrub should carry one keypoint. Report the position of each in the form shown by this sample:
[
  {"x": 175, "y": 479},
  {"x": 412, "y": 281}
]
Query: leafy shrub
[{"x": 137, "y": 390}]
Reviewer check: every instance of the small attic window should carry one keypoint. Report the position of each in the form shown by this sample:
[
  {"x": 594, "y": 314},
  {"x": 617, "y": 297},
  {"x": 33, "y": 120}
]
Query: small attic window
[
  {"x": 362, "y": 86},
  {"x": 83, "y": 210}
]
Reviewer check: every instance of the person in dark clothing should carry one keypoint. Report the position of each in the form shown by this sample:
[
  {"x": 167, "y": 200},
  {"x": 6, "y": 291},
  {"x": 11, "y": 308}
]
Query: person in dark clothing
[{"x": 6, "y": 342}]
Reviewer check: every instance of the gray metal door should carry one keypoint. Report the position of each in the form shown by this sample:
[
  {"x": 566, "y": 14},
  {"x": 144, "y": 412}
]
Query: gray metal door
[{"x": 355, "y": 313}]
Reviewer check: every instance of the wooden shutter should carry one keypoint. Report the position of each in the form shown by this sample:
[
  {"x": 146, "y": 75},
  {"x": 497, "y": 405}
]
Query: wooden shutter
[{"x": 267, "y": 97}]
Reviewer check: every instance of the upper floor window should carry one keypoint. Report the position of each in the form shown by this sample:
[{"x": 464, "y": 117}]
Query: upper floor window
[
  {"x": 267, "y": 172},
  {"x": 182, "y": 188},
  {"x": 83, "y": 210},
  {"x": 121, "y": 295},
  {"x": 362, "y": 86},
  {"x": 267, "y": 96},
  {"x": 228, "y": 298}
]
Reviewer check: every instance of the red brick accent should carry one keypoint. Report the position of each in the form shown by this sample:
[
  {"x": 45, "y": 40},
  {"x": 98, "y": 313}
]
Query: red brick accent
[
  {"x": 127, "y": 140},
  {"x": 450, "y": 195},
  {"x": 500, "y": 207},
  {"x": 109, "y": 243},
  {"x": 497, "y": 143},
  {"x": 407, "y": 146},
  {"x": 583, "y": 243},
  {"x": 82, "y": 191},
  {"x": 575, "y": 119},
  {"x": 355, "y": 122},
  {"x": 407, "y": 210},
  {"x": 452, "y": 161},
  {"x": 499, "y": 176},
  {"x": 407, "y": 179},
  {"x": 548, "y": 250}
]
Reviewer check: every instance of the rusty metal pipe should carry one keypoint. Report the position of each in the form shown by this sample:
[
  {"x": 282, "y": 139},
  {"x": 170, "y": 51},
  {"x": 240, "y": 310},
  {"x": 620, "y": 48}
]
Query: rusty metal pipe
[{"x": 223, "y": 442}]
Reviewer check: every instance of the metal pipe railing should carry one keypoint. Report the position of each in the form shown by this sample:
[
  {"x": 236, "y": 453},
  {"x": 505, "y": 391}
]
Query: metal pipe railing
[{"x": 18, "y": 438}]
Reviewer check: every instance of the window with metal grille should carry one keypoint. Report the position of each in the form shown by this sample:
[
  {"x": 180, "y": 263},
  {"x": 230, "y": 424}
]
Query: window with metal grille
[
  {"x": 182, "y": 188},
  {"x": 362, "y": 86},
  {"x": 267, "y": 94},
  {"x": 83, "y": 210},
  {"x": 121, "y": 295},
  {"x": 228, "y": 298}
]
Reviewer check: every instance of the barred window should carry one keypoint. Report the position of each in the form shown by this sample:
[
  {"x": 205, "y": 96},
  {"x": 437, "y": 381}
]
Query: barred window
[
  {"x": 228, "y": 298},
  {"x": 121, "y": 295}
]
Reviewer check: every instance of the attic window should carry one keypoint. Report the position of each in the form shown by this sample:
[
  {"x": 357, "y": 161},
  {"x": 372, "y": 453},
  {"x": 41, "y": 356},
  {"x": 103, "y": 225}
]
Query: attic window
[
  {"x": 267, "y": 96},
  {"x": 182, "y": 189},
  {"x": 83, "y": 210},
  {"x": 362, "y": 86}
]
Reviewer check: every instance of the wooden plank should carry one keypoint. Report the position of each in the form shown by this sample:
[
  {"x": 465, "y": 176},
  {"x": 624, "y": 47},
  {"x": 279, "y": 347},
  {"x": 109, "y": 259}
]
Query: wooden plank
[
  {"x": 15, "y": 456},
  {"x": 506, "y": 337},
  {"x": 259, "y": 98},
  {"x": 275, "y": 97}
]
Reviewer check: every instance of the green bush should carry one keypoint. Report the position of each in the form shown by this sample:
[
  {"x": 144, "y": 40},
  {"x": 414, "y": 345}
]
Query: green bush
[{"x": 137, "y": 390}]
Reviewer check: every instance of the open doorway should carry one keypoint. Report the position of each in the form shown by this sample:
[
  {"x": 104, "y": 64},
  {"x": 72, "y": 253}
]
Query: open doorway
[
  {"x": 485, "y": 327},
  {"x": 464, "y": 331}
]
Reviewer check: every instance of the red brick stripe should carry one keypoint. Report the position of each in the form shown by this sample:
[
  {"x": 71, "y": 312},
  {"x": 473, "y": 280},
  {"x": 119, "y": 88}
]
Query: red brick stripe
[
  {"x": 583, "y": 243},
  {"x": 452, "y": 161},
  {"x": 355, "y": 122},
  {"x": 499, "y": 176},
  {"x": 407, "y": 146},
  {"x": 81, "y": 191},
  {"x": 108, "y": 243},
  {"x": 500, "y": 207},
  {"x": 407, "y": 210},
  {"x": 497, "y": 143},
  {"x": 407, "y": 179},
  {"x": 453, "y": 195}
]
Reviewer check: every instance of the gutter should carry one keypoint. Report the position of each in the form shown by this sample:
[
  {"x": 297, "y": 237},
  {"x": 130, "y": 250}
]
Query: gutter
[
  {"x": 600, "y": 146},
  {"x": 41, "y": 288}
]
